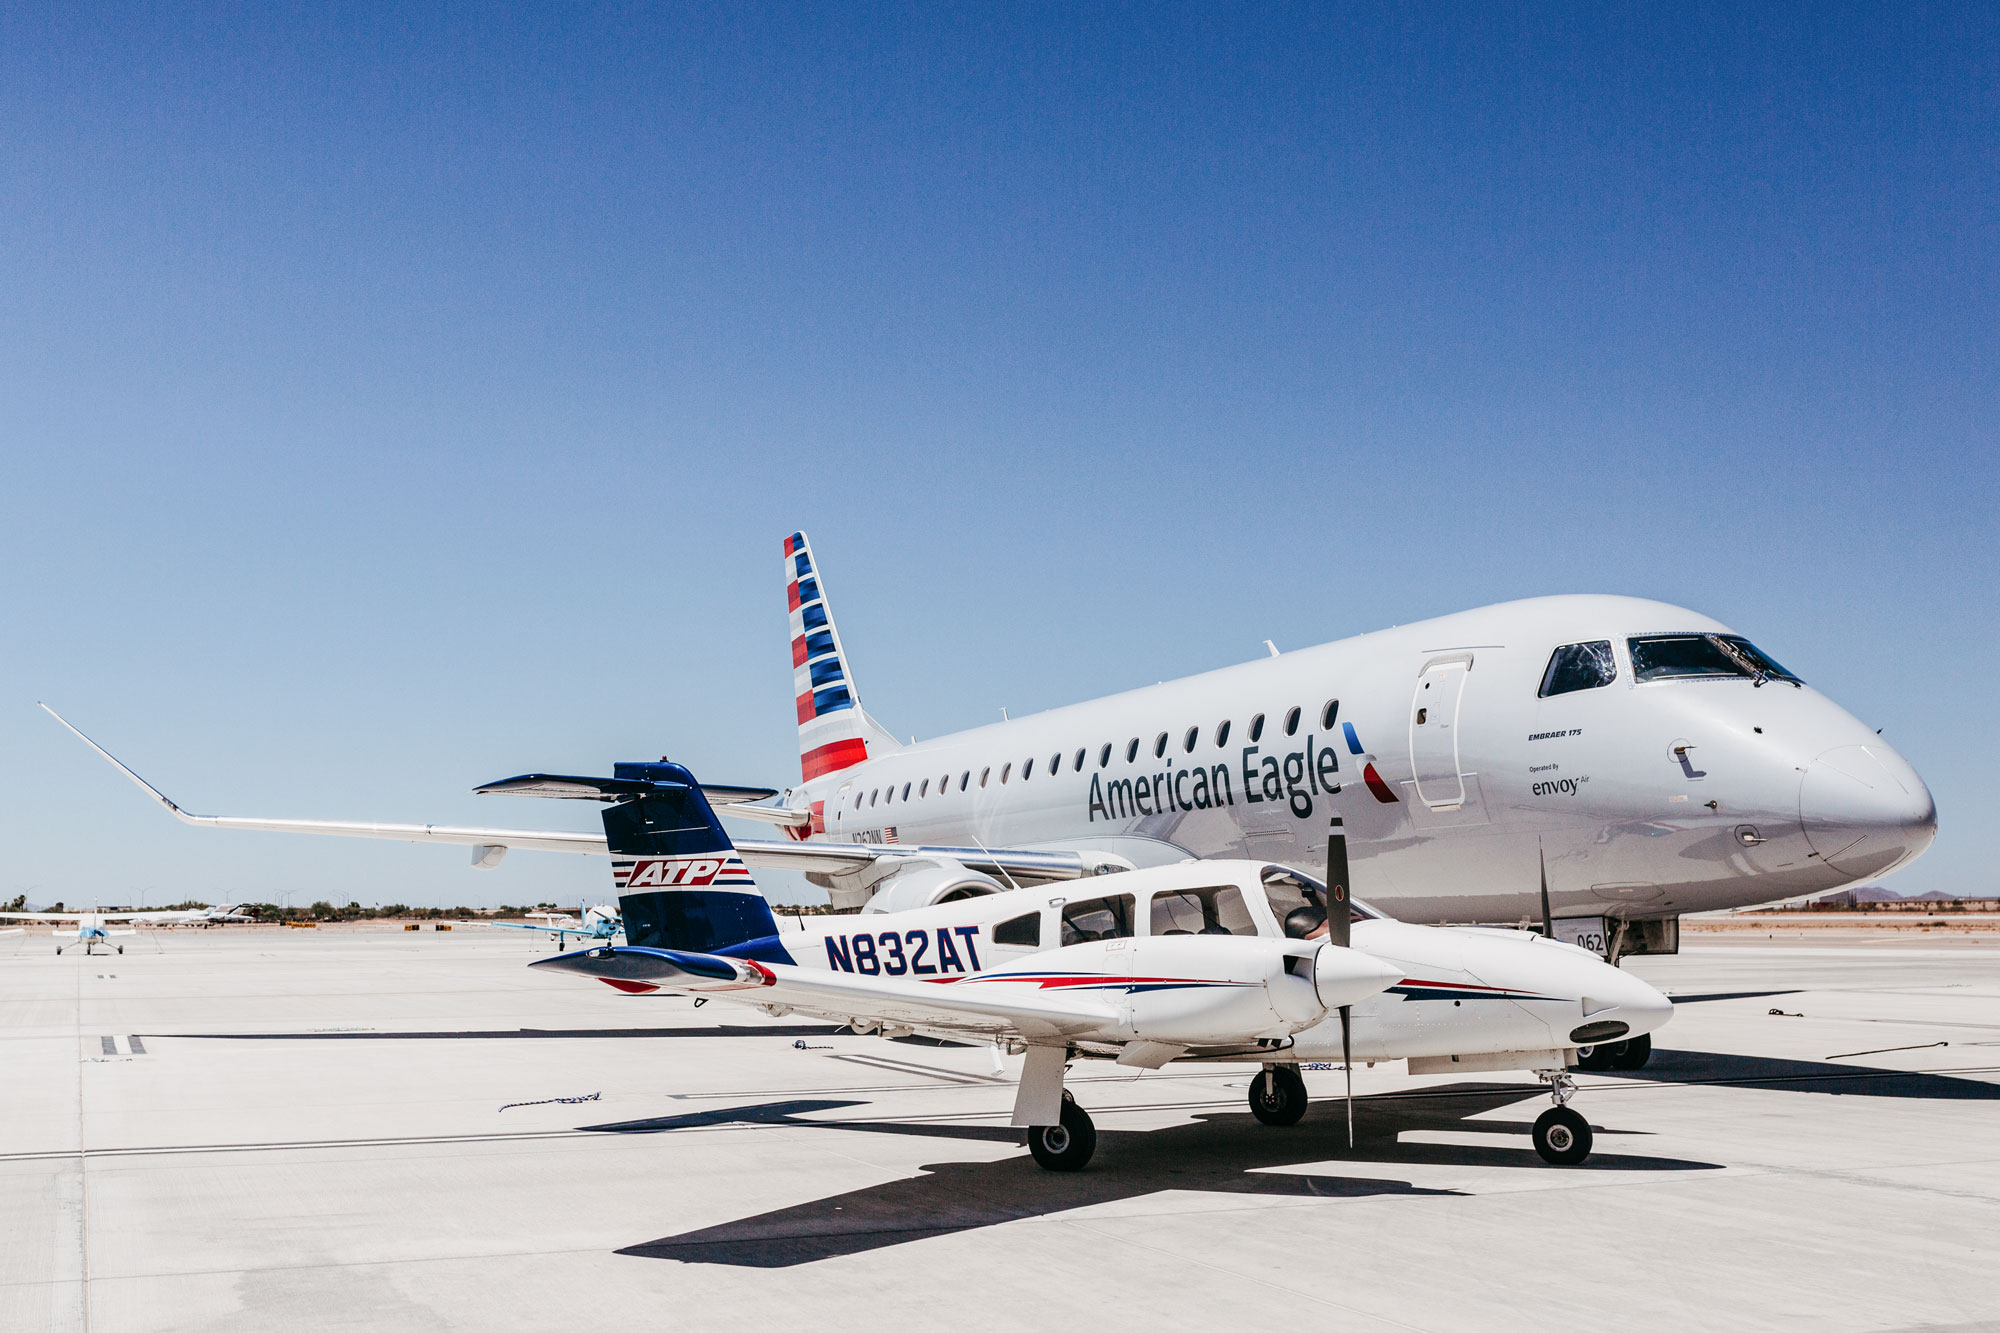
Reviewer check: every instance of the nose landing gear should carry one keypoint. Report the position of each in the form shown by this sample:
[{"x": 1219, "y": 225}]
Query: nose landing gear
[{"x": 1562, "y": 1136}]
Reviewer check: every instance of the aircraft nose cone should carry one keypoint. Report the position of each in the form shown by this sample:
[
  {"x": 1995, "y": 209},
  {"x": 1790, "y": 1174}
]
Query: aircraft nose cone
[
  {"x": 1619, "y": 1005},
  {"x": 1865, "y": 811}
]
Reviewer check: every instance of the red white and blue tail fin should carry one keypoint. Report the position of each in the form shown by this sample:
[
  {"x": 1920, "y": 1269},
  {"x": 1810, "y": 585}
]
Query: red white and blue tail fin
[{"x": 834, "y": 732}]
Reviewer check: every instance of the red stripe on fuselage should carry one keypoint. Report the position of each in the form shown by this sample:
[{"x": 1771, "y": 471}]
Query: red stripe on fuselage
[
  {"x": 1377, "y": 786},
  {"x": 831, "y": 757}
]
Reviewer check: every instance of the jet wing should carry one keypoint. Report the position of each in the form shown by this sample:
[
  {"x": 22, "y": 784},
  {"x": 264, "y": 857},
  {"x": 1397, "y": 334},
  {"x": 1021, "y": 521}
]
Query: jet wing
[
  {"x": 826, "y": 858},
  {"x": 986, "y": 1012}
]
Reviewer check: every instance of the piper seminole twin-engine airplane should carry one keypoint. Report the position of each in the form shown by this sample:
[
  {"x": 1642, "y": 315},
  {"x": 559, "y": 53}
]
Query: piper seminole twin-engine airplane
[
  {"x": 1594, "y": 765},
  {"x": 1205, "y": 960}
]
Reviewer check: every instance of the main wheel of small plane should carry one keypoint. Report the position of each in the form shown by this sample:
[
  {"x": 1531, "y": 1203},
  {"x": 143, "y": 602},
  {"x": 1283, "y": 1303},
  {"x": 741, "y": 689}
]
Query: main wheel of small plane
[
  {"x": 1562, "y": 1136},
  {"x": 1278, "y": 1096},
  {"x": 1066, "y": 1146},
  {"x": 1596, "y": 1059},
  {"x": 1637, "y": 1051}
]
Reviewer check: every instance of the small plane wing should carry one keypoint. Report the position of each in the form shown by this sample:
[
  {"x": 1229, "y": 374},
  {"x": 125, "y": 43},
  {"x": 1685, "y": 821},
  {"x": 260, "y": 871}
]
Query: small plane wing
[
  {"x": 826, "y": 858},
  {"x": 990, "y": 1010},
  {"x": 42, "y": 916}
]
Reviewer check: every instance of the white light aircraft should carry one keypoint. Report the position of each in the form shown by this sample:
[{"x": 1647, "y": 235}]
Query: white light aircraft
[
  {"x": 1594, "y": 765},
  {"x": 1223, "y": 960},
  {"x": 95, "y": 928},
  {"x": 596, "y": 923}
]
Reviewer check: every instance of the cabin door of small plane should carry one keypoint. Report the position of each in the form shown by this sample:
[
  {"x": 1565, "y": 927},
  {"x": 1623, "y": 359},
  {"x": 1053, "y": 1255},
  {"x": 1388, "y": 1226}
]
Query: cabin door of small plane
[{"x": 1434, "y": 728}]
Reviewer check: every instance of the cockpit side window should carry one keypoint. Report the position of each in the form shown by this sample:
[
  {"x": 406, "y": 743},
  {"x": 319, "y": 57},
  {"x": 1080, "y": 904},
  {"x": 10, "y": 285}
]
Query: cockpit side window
[
  {"x": 1579, "y": 666},
  {"x": 1097, "y": 919},
  {"x": 1299, "y": 902},
  {"x": 1674, "y": 656},
  {"x": 1216, "y": 911}
]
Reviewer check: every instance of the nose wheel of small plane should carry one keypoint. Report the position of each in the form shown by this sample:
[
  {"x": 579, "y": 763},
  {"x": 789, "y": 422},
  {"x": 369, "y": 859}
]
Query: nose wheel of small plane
[
  {"x": 1630, "y": 1054},
  {"x": 1278, "y": 1095},
  {"x": 1066, "y": 1146},
  {"x": 1562, "y": 1136}
]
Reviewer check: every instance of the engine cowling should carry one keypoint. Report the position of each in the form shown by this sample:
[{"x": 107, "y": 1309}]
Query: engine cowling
[{"x": 926, "y": 882}]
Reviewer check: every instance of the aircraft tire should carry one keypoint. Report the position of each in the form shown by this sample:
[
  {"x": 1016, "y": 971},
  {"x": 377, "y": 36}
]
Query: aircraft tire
[
  {"x": 1637, "y": 1051},
  {"x": 1067, "y": 1146},
  {"x": 1562, "y": 1137},
  {"x": 1283, "y": 1102},
  {"x": 1596, "y": 1059}
]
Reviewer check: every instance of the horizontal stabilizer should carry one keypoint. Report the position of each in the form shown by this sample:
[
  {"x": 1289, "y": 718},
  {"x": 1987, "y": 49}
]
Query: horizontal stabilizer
[{"x": 566, "y": 788}]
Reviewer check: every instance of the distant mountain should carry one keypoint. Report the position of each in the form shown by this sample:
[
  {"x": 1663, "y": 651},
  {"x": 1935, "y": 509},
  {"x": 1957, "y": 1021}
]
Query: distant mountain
[{"x": 1875, "y": 893}]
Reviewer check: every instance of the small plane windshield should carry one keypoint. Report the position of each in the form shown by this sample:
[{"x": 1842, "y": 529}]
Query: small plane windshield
[
  {"x": 1673, "y": 656},
  {"x": 1299, "y": 902}
]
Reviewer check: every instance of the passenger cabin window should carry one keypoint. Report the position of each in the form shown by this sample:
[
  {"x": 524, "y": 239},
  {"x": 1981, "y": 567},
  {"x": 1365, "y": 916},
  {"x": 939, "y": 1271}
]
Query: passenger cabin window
[
  {"x": 1328, "y": 714},
  {"x": 906, "y": 791},
  {"x": 1579, "y": 666},
  {"x": 1221, "y": 734},
  {"x": 1024, "y": 930},
  {"x": 1670, "y": 656},
  {"x": 965, "y": 779},
  {"x": 1256, "y": 728},
  {"x": 1160, "y": 746},
  {"x": 1055, "y": 763},
  {"x": 1298, "y": 901},
  {"x": 1292, "y": 723},
  {"x": 1027, "y": 770},
  {"x": 1098, "y": 919},
  {"x": 1079, "y": 761},
  {"x": 1216, "y": 911},
  {"x": 984, "y": 774},
  {"x": 1104, "y": 756},
  {"x": 923, "y": 789},
  {"x": 1187, "y": 741},
  {"x": 872, "y": 795},
  {"x": 1132, "y": 750},
  {"x": 1005, "y": 769}
]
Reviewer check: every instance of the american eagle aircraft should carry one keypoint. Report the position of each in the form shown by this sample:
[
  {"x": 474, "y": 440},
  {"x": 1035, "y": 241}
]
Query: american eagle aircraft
[
  {"x": 1223, "y": 960},
  {"x": 1593, "y": 765}
]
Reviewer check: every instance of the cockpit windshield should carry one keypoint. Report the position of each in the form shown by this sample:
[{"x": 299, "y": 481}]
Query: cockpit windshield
[
  {"x": 1672, "y": 656},
  {"x": 1299, "y": 902}
]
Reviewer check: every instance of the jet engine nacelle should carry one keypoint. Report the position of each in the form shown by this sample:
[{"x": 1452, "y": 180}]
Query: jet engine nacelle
[
  {"x": 1219, "y": 990},
  {"x": 927, "y": 881}
]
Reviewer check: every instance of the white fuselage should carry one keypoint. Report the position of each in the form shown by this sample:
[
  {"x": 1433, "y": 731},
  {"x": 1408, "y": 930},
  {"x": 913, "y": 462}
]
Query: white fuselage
[
  {"x": 1462, "y": 991},
  {"x": 1641, "y": 799}
]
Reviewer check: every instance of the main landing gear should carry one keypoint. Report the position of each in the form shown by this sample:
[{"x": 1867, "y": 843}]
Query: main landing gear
[
  {"x": 1067, "y": 1145},
  {"x": 1631, "y": 1054},
  {"x": 1562, "y": 1136},
  {"x": 1278, "y": 1095}
]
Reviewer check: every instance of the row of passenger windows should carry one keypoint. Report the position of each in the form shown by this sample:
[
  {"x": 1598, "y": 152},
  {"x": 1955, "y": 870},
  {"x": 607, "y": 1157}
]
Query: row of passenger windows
[
  {"x": 1298, "y": 903},
  {"x": 1189, "y": 739}
]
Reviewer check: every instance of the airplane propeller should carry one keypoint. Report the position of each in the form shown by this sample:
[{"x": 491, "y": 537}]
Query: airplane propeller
[{"x": 1339, "y": 930}]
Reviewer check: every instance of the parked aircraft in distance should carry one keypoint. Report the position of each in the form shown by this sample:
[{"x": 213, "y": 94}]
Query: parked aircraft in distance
[
  {"x": 595, "y": 923},
  {"x": 1594, "y": 765},
  {"x": 1222, "y": 960},
  {"x": 93, "y": 928}
]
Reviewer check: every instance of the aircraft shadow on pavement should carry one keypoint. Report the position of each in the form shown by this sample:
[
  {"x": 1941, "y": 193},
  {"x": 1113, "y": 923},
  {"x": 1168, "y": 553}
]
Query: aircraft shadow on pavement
[
  {"x": 1822, "y": 1076},
  {"x": 1225, "y": 1153}
]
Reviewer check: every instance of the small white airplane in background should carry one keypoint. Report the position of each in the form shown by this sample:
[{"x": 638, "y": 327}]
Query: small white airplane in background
[
  {"x": 92, "y": 928},
  {"x": 596, "y": 923},
  {"x": 1220, "y": 960}
]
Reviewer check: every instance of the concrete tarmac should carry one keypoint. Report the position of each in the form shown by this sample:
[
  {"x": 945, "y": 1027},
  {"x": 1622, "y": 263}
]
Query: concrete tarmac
[{"x": 253, "y": 1128}]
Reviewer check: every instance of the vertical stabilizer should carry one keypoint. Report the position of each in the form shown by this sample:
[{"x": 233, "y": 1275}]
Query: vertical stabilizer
[
  {"x": 834, "y": 732},
  {"x": 680, "y": 882}
]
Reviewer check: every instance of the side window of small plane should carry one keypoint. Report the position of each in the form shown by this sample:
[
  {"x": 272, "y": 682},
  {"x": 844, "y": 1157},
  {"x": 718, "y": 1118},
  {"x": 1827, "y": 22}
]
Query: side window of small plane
[
  {"x": 1187, "y": 741},
  {"x": 1209, "y": 911},
  {"x": 1579, "y": 666},
  {"x": 1104, "y": 756},
  {"x": 1328, "y": 714},
  {"x": 1160, "y": 746},
  {"x": 1222, "y": 733},
  {"x": 1256, "y": 728},
  {"x": 1106, "y": 918},
  {"x": 1132, "y": 750},
  {"x": 1292, "y": 723},
  {"x": 1024, "y": 930}
]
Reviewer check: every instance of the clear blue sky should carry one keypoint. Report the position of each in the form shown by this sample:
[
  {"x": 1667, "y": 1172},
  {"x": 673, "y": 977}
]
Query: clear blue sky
[{"x": 393, "y": 400}]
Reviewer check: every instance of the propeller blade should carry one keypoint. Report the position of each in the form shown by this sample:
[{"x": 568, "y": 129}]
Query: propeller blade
[
  {"x": 1548, "y": 925},
  {"x": 1339, "y": 918},
  {"x": 1347, "y": 1063}
]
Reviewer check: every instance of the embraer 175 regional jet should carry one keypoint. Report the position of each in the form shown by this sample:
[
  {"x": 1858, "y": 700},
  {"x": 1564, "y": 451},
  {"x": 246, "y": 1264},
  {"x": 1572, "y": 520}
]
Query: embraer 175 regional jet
[{"x": 1594, "y": 765}]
